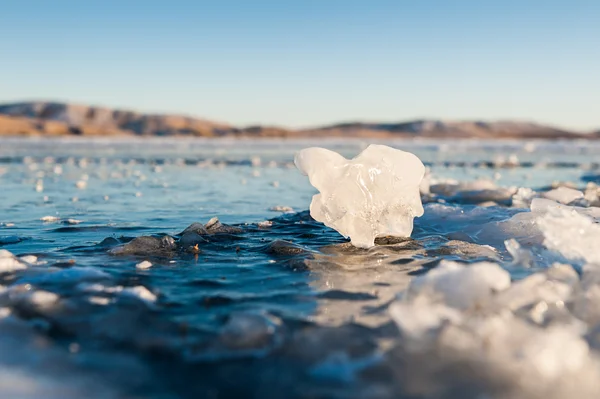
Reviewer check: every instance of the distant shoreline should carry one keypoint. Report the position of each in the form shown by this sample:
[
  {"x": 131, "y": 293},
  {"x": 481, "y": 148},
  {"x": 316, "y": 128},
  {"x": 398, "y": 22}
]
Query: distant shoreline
[
  {"x": 299, "y": 139},
  {"x": 48, "y": 119}
]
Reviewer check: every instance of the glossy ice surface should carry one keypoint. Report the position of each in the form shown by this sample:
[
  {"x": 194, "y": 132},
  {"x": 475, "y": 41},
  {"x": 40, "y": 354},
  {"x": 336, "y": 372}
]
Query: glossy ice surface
[{"x": 117, "y": 281}]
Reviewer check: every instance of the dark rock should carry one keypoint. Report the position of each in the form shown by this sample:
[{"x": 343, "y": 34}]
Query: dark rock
[{"x": 146, "y": 245}]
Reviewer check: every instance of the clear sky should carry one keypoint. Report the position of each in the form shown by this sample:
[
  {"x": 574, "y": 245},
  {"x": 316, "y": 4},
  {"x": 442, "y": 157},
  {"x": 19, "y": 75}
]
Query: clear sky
[{"x": 303, "y": 63}]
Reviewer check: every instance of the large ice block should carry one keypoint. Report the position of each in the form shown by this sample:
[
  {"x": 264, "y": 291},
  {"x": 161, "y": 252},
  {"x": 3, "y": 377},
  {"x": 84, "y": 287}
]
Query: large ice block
[{"x": 374, "y": 194}]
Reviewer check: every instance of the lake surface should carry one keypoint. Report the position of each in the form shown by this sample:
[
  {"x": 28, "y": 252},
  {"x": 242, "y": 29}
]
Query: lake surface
[{"x": 268, "y": 304}]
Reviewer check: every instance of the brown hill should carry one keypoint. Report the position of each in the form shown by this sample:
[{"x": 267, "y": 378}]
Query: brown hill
[
  {"x": 60, "y": 118},
  {"x": 54, "y": 119},
  {"x": 438, "y": 128}
]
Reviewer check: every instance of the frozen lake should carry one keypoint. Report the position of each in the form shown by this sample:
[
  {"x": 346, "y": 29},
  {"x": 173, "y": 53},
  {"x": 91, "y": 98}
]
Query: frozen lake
[{"x": 266, "y": 302}]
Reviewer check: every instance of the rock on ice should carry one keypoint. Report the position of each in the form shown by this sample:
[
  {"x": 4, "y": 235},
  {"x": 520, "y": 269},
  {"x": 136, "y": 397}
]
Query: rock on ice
[{"x": 374, "y": 194}]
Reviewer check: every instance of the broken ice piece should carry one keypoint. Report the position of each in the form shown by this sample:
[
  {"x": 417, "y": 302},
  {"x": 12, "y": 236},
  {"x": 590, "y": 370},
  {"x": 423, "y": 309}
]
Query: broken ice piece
[
  {"x": 50, "y": 219},
  {"x": 564, "y": 195},
  {"x": 9, "y": 263},
  {"x": 143, "y": 265},
  {"x": 372, "y": 195}
]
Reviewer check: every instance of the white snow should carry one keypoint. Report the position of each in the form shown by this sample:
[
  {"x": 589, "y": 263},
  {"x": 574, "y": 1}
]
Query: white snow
[{"x": 374, "y": 194}]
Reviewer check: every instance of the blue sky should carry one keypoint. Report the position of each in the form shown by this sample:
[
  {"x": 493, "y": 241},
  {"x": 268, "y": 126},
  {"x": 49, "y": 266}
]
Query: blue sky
[{"x": 304, "y": 63}]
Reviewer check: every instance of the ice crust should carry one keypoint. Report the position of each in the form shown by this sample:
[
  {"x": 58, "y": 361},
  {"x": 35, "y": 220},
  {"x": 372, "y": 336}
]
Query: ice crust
[
  {"x": 372, "y": 195},
  {"x": 521, "y": 330},
  {"x": 536, "y": 334}
]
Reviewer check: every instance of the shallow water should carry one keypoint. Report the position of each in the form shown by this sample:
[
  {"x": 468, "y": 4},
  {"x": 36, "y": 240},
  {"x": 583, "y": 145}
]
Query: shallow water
[{"x": 281, "y": 309}]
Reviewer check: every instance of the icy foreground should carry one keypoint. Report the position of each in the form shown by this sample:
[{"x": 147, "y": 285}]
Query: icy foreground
[
  {"x": 373, "y": 195},
  {"x": 495, "y": 295},
  {"x": 531, "y": 332}
]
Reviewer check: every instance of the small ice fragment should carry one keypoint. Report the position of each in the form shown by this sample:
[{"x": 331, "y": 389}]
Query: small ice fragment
[
  {"x": 141, "y": 292},
  {"x": 138, "y": 194},
  {"x": 523, "y": 197},
  {"x": 372, "y": 195},
  {"x": 81, "y": 184},
  {"x": 9, "y": 263},
  {"x": 39, "y": 186},
  {"x": 31, "y": 259},
  {"x": 4, "y": 312},
  {"x": 564, "y": 195},
  {"x": 255, "y": 161},
  {"x": 50, "y": 219},
  {"x": 144, "y": 265},
  {"x": 72, "y": 221},
  {"x": 275, "y": 184},
  {"x": 211, "y": 223},
  {"x": 265, "y": 223},
  {"x": 99, "y": 300},
  {"x": 530, "y": 147},
  {"x": 43, "y": 298},
  {"x": 521, "y": 256}
]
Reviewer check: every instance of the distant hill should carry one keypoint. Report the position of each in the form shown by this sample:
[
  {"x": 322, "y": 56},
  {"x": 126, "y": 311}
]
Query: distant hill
[
  {"x": 55, "y": 119},
  {"x": 439, "y": 128},
  {"x": 60, "y": 118}
]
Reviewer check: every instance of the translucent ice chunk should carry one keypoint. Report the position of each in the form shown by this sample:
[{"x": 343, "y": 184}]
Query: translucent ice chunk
[
  {"x": 573, "y": 235},
  {"x": 542, "y": 205},
  {"x": 564, "y": 195},
  {"x": 374, "y": 194}
]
